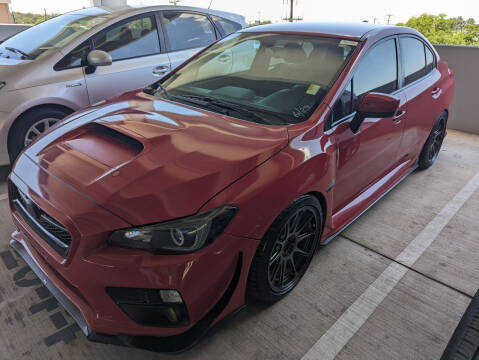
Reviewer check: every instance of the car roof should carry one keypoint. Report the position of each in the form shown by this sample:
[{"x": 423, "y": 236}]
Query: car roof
[
  {"x": 339, "y": 29},
  {"x": 133, "y": 10}
]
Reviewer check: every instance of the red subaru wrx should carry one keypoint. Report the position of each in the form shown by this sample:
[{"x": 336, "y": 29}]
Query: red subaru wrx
[{"x": 154, "y": 215}]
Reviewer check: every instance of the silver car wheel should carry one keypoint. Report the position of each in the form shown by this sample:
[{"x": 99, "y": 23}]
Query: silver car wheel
[{"x": 38, "y": 128}]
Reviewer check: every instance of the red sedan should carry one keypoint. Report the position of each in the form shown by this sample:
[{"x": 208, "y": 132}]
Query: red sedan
[{"x": 154, "y": 215}]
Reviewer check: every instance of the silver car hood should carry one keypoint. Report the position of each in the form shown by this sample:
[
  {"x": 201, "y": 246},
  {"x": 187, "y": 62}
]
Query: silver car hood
[{"x": 6, "y": 62}]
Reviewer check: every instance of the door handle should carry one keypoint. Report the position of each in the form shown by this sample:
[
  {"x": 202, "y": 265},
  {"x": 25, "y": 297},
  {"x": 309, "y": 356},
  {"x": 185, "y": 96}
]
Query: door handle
[
  {"x": 436, "y": 92},
  {"x": 398, "y": 116},
  {"x": 161, "y": 70},
  {"x": 224, "y": 58}
]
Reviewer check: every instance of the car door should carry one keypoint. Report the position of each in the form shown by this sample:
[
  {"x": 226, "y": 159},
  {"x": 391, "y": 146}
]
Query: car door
[
  {"x": 420, "y": 85},
  {"x": 70, "y": 76},
  {"x": 134, "y": 45},
  {"x": 366, "y": 156},
  {"x": 186, "y": 33}
]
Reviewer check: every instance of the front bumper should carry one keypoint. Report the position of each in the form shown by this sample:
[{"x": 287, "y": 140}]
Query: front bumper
[
  {"x": 62, "y": 299},
  {"x": 169, "y": 344},
  {"x": 211, "y": 281}
]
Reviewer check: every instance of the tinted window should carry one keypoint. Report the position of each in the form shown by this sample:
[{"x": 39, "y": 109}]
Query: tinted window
[
  {"x": 377, "y": 71},
  {"x": 429, "y": 60},
  {"x": 227, "y": 26},
  {"x": 135, "y": 38},
  {"x": 187, "y": 30},
  {"x": 343, "y": 106},
  {"x": 75, "y": 58},
  {"x": 413, "y": 59}
]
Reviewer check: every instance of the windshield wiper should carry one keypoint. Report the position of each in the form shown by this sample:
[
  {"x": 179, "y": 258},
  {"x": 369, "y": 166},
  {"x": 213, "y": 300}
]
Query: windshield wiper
[
  {"x": 18, "y": 51},
  {"x": 225, "y": 106}
]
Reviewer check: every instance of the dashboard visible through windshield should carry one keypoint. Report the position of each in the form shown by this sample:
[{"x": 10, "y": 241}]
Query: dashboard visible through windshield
[{"x": 268, "y": 78}]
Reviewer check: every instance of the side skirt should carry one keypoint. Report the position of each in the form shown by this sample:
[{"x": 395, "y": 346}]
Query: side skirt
[{"x": 330, "y": 238}]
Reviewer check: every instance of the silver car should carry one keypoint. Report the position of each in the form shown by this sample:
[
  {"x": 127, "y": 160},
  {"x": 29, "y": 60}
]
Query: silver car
[{"x": 85, "y": 56}]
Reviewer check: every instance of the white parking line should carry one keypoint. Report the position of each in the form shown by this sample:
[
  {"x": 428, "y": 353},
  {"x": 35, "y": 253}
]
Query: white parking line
[
  {"x": 338, "y": 335},
  {"x": 3, "y": 197}
]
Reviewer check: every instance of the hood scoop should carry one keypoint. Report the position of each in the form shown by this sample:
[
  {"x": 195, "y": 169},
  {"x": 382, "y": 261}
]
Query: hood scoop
[{"x": 96, "y": 147}]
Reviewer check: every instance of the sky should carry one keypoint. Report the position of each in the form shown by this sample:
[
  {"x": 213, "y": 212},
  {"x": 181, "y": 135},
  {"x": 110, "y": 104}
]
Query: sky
[{"x": 309, "y": 10}]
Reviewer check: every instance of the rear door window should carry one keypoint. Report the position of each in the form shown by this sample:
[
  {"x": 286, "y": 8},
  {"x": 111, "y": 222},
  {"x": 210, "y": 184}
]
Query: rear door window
[
  {"x": 188, "y": 30},
  {"x": 413, "y": 59},
  {"x": 227, "y": 26}
]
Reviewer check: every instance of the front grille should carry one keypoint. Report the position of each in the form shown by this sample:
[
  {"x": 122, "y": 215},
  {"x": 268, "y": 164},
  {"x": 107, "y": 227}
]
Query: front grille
[{"x": 50, "y": 230}]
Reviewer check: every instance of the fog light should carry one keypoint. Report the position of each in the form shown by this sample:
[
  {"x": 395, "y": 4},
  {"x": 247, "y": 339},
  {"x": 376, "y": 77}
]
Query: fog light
[
  {"x": 151, "y": 307},
  {"x": 170, "y": 296}
]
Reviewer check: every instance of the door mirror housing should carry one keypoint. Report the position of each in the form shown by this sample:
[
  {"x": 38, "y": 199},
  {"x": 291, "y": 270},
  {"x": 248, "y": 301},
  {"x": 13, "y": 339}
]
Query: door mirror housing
[
  {"x": 99, "y": 58},
  {"x": 374, "y": 105}
]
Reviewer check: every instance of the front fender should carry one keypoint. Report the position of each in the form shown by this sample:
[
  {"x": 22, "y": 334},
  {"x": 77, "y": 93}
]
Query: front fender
[{"x": 304, "y": 166}]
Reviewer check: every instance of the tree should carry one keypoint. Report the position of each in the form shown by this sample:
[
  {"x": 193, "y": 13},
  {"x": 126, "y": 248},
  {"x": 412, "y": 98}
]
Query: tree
[
  {"x": 265, "y": 22},
  {"x": 30, "y": 18},
  {"x": 439, "y": 29}
]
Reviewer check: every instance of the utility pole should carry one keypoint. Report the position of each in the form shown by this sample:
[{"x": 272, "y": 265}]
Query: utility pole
[
  {"x": 45, "y": 11},
  {"x": 291, "y": 18},
  {"x": 174, "y": 2},
  {"x": 389, "y": 18},
  {"x": 374, "y": 20}
]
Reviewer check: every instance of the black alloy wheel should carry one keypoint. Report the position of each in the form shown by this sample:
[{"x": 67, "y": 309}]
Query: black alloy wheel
[
  {"x": 292, "y": 249},
  {"x": 432, "y": 147},
  {"x": 285, "y": 252}
]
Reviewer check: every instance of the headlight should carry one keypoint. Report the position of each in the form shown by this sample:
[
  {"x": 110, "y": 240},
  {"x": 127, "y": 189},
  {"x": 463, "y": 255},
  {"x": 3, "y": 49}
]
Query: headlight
[
  {"x": 178, "y": 236},
  {"x": 2, "y": 84}
]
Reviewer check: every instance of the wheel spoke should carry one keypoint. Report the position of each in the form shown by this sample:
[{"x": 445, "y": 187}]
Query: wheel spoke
[
  {"x": 300, "y": 252},
  {"x": 305, "y": 223},
  {"x": 283, "y": 272},
  {"x": 274, "y": 258},
  {"x": 294, "y": 222},
  {"x": 303, "y": 237},
  {"x": 293, "y": 267},
  {"x": 275, "y": 271}
]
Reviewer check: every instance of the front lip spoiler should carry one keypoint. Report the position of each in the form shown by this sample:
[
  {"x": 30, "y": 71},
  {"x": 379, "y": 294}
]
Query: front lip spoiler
[
  {"x": 169, "y": 344},
  {"x": 62, "y": 299}
]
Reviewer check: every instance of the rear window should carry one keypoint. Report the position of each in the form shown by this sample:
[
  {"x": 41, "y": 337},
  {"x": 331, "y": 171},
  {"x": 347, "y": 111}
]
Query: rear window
[{"x": 227, "y": 26}]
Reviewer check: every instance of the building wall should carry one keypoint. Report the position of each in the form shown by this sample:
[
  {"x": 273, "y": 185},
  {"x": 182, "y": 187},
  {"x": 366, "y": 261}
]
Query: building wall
[
  {"x": 464, "y": 61},
  {"x": 5, "y": 16},
  {"x": 109, "y": 3}
]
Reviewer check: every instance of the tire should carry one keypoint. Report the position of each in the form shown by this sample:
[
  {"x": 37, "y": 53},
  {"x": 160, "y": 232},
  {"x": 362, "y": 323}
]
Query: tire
[
  {"x": 432, "y": 147},
  {"x": 272, "y": 274},
  {"x": 24, "y": 125}
]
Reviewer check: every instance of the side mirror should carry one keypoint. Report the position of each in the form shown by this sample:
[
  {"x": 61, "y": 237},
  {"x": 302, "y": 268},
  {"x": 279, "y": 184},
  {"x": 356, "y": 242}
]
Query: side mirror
[
  {"x": 98, "y": 58},
  {"x": 374, "y": 105}
]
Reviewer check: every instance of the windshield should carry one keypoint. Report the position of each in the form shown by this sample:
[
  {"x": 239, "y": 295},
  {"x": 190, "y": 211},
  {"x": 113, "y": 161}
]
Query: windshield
[
  {"x": 271, "y": 78},
  {"x": 55, "y": 32}
]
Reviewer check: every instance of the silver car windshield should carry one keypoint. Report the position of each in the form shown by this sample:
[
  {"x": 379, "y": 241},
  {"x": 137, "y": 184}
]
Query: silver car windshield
[
  {"x": 53, "y": 33},
  {"x": 271, "y": 78}
]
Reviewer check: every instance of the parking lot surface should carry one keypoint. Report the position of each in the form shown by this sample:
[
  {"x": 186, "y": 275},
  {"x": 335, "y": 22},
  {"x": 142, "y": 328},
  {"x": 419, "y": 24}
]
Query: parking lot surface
[{"x": 394, "y": 285}]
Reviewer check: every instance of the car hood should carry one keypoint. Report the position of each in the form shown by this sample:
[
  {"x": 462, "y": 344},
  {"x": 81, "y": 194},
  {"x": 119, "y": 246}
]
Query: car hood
[{"x": 149, "y": 160}]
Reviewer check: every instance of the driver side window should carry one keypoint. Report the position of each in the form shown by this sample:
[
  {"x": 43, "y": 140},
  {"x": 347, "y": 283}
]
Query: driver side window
[{"x": 377, "y": 72}]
